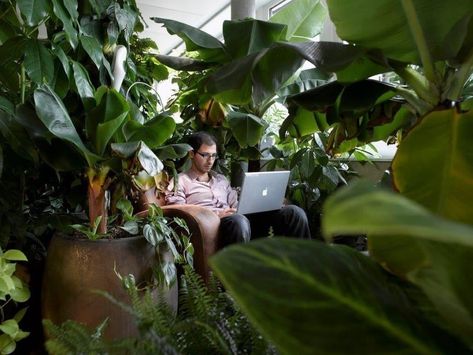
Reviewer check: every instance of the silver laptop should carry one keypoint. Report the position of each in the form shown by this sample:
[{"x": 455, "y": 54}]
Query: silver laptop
[{"x": 262, "y": 191}]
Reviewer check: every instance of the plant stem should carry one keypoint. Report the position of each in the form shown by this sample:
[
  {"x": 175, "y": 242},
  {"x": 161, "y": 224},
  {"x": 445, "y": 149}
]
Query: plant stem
[
  {"x": 459, "y": 78},
  {"x": 419, "y": 38},
  {"x": 23, "y": 84}
]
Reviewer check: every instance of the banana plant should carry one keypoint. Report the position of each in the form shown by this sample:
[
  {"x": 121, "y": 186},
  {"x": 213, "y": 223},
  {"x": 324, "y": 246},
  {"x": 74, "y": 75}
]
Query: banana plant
[{"x": 231, "y": 84}]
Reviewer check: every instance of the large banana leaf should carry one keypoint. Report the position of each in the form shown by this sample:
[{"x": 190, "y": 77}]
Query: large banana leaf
[
  {"x": 393, "y": 26},
  {"x": 209, "y": 47},
  {"x": 304, "y": 19},
  {"x": 246, "y": 128},
  {"x": 434, "y": 164},
  {"x": 54, "y": 115},
  {"x": 250, "y": 36},
  {"x": 311, "y": 298},
  {"x": 153, "y": 132},
  {"x": 431, "y": 252}
]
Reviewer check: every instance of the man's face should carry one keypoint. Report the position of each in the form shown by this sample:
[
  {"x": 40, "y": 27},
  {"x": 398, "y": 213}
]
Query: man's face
[{"x": 203, "y": 159}]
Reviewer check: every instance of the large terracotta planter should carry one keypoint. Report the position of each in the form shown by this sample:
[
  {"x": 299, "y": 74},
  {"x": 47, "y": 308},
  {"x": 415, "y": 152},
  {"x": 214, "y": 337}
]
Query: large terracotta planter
[{"x": 74, "y": 268}]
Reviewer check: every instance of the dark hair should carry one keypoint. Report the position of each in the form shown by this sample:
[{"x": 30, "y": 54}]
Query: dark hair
[{"x": 196, "y": 140}]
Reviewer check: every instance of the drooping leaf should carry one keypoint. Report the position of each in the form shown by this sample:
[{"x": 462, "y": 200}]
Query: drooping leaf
[
  {"x": 209, "y": 47},
  {"x": 38, "y": 62},
  {"x": 246, "y": 128},
  {"x": 304, "y": 19},
  {"x": 54, "y": 115},
  {"x": 386, "y": 26},
  {"x": 438, "y": 176},
  {"x": 106, "y": 130},
  {"x": 299, "y": 123},
  {"x": 288, "y": 286},
  {"x": 149, "y": 161},
  {"x": 245, "y": 37},
  {"x": 182, "y": 63},
  {"x": 172, "y": 151},
  {"x": 34, "y": 11}
]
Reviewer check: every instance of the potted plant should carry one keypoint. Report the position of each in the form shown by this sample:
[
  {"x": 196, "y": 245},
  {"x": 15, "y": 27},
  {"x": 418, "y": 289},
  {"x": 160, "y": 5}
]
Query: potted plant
[{"x": 63, "y": 101}]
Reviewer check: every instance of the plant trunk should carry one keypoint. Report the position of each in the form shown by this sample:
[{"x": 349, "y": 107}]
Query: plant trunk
[{"x": 96, "y": 193}]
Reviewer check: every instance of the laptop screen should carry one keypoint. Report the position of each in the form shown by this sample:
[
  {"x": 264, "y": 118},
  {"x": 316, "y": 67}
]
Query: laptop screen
[{"x": 263, "y": 191}]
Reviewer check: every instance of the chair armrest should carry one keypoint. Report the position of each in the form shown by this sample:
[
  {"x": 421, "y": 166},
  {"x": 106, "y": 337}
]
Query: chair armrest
[{"x": 203, "y": 225}]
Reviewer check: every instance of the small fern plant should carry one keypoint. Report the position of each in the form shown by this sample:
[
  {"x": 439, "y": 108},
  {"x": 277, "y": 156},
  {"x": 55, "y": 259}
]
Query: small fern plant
[{"x": 208, "y": 321}]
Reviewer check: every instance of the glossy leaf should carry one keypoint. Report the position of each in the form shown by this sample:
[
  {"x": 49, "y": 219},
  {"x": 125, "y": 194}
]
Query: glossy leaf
[
  {"x": 182, "y": 63},
  {"x": 82, "y": 81},
  {"x": 304, "y": 19},
  {"x": 38, "y": 62},
  {"x": 249, "y": 36},
  {"x": 416, "y": 244},
  {"x": 149, "y": 161},
  {"x": 106, "y": 130},
  {"x": 64, "y": 17},
  {"x": 173, "y": 151},
  {"x": 14, "y": 255},
  {"x": 386, "y": 26},
  {"x": 209, "y": 47},
  {"x": 55, "y": 117},
  {"x": 153, "y": 132},
  {"x": 246, "y": 128},
  {"x": 302, "y": 305},
  {"x": 93, "y": 48},
  {"x": 438, "y": 174},
  {"x": 34, "y": 11}
]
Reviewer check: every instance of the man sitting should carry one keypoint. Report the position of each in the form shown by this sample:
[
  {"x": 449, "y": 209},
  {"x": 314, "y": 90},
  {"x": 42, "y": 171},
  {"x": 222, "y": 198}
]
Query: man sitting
[{"x": 204, "y": 187}]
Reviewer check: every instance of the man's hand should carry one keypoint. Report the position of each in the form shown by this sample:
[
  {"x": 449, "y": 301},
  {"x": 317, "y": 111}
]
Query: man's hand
[{"x": 226, "y": 212}]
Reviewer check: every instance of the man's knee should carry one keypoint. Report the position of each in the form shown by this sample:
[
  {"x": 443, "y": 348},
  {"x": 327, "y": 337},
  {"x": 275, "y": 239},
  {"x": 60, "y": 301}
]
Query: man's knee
[
  {"x": 235, "y": 229},
  {"x": 292, "y": 211},
  {"x": 295, "y": 222}
]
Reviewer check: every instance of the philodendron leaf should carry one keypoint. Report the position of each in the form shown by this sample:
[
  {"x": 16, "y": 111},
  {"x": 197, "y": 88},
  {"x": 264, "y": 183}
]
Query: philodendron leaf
[
  {"x": 34, "y": 11},
  {"x": 54, "y": 115},
  {"x": 438, "y": 174},
  {"x": 303, "y": 295},
  {"x": 247, "y": 128},
  {"x": 304, "y": 19},
  {"x": 416, "y": 244}
]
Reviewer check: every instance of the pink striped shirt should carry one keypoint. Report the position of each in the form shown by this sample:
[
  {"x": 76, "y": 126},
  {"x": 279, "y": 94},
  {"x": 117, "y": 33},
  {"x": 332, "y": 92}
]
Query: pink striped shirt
[{"x": 215, "y": 194}]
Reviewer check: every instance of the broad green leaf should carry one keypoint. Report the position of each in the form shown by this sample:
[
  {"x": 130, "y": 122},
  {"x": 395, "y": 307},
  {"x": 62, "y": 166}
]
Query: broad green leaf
[
  {"x": 62, "y": 15},
  {"x": 126, "y": 19},
  {"x": 245, "y": 37},
  {"x": 6, "y": 105},
  {"x": 302, "y": 295},
  {"x": 246, "y": 128},
  {"x": 59, "y": 52},
  {"x": 38, "y": 62},
  {"x": 304, "y": 19},
  {"x": 151, "y": 235},
  {"x": 299, "y": 123},
  {"x": 438, "y": 174},
  {"x": 209, "y": 47},
  {"x": 416, "y": 244},
  {"x": 71, "y": 6},
  {"x": 82, "y": 81},
  {"x": 34, "y": 11},
  {"x": 106, "y": 130},
  {"x": 93, "y": 48},
  {"x": 12, "y": 50},
  {"x": 231, "y": 83},
  {"x": 125, "y": 150},
  {"x": 402, "y": 117},
  {"x": 386, "y": 26},
  {"x": 14, "y": 255},
  {"x": 308, "y": 79},
  {"x": 153, "y": 132},
  {"x": 20, "y": 294},
  {"x": 55, "y": 117},
  {"x": 272, "y": 70},
  {"x": 1, "y": 161}
]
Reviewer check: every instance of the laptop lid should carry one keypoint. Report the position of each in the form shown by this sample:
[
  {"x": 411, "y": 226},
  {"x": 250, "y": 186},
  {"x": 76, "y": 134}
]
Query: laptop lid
[{"x": 263, "y": 191}]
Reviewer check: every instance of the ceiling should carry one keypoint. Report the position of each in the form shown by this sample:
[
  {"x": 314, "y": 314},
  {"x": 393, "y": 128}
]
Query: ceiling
[{"x": 205, "y": 14}]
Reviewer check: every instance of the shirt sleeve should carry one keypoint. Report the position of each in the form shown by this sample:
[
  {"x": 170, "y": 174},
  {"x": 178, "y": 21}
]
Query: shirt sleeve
[
  {"x": 177, "y": 197},
  {"x": 232, "y": 196}
]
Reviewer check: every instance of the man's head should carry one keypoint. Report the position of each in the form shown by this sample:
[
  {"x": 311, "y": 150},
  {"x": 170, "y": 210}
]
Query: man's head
[{"x": 204, "y": 151}]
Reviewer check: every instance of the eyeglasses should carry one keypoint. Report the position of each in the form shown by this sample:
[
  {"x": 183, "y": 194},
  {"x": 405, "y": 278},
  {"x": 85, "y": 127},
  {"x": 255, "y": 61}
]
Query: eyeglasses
[{"x": 208, "y": 155}]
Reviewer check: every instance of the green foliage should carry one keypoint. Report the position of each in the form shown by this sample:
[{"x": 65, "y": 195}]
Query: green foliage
[
  {"x": 92, "y": 231},
  {"x": 208, "y": 322},
  {"x": 14, "y": 289}
]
